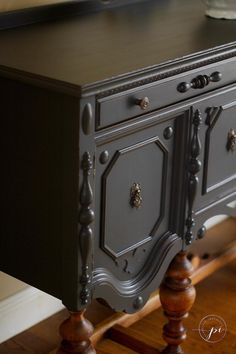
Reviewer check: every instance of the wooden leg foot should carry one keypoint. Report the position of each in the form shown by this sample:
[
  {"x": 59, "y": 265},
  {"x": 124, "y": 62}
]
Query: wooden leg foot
[
  {"x": 177, "y": 296},
  {"x": 76, "y": 332}
]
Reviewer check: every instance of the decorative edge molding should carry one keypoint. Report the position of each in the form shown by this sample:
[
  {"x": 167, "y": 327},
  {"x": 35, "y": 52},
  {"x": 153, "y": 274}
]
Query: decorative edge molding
[
  {"x": 142, "y": 280},
  {"x": 86, "y": 217},
  {"x": 160, "y": 76},
  {"x": 160, "y": 217},
  {"x": 194, "y": 167}
]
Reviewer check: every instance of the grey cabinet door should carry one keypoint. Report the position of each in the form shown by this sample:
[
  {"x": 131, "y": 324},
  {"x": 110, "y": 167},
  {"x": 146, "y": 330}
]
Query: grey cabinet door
[
  {"x": 217, "y": 175},
  {"x": 133, "y": 240},
  {"x": 218, "y": 137}
]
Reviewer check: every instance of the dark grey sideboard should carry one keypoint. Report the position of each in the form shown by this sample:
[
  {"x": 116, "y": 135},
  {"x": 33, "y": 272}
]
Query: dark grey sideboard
[{"x": 118, "y": 141}]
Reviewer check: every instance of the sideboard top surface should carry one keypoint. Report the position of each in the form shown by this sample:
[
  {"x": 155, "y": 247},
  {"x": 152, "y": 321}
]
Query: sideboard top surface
[{"x": 94, "y": 47}]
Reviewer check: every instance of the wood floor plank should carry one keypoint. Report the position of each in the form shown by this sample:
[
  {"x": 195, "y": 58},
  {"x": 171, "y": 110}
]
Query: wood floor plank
[
  {"x": 215, "y": 295},
  {"x": 109, "y": 347}
]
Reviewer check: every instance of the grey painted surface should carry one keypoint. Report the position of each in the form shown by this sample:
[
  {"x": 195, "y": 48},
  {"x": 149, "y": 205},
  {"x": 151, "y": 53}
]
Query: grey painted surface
[{"x": 65, "y": 157}]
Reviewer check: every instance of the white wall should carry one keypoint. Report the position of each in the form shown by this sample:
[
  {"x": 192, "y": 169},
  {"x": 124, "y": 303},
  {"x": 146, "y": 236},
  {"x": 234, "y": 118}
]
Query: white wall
[
  {"x": 22, "y": 306},
  {"x": 215, "y": 220}
]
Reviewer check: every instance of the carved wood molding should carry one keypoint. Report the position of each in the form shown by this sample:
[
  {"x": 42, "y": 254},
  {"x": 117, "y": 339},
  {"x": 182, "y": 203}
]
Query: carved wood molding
[
  {"x": 213, "y": 114},
  {"x": 153, "y": 265},
  {"x": 86, "y": 217},
  {"x": 193, "y": 168},
  {"x": 166, "y": 73}
]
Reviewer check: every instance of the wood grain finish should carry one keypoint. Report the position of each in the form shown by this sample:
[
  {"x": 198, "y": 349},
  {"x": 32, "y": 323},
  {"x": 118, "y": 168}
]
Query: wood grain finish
[
  {"x": 177, "y": 296},
  {"x": 75, "y": 332},
  {"x": 131, "y": 339},
  {"x": 116, "y": 41}
]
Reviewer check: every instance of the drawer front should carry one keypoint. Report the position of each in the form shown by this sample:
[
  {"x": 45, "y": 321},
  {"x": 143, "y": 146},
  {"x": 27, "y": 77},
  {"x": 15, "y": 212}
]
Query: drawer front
[{"x": 116, "y": 108}]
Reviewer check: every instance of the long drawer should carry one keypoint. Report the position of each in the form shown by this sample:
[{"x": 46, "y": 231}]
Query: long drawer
[{"x": 114, "y": 108}]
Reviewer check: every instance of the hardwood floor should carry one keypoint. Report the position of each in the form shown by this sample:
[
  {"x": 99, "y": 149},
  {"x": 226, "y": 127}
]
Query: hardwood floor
[{"x": 215, "y": 295}]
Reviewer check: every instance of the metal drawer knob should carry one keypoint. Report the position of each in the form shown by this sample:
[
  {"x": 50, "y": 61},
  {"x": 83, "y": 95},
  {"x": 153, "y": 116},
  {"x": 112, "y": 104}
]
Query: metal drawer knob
[
  {"x": 143, "y": 103},
  {"x": 231, "y": 142}
]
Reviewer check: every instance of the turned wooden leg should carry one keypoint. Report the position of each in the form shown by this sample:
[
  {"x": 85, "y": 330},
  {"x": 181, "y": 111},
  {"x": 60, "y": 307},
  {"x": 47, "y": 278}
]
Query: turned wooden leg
[
  {"x": 177, "y": 296},
  {"x": 76, "y": 332}
]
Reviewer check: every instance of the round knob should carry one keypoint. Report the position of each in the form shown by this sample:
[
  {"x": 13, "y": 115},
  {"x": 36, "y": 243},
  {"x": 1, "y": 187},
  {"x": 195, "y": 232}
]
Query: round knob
[
  {"x": 216, "y": 76},
  {"x": 201, "y": 232},
  {"x": 168, "y": 132},
  {"x": 143, "y": 103}
]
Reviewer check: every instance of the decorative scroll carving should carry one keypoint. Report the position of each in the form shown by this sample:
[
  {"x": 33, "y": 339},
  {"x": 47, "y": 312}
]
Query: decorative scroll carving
[
  {"x": 86, "y": 217},
  {"x": 213, "y": 114},
  {"x": 168, "y": 244},
  {"x": 129, "y": 264},
  {"x": 193, "y": 168}
]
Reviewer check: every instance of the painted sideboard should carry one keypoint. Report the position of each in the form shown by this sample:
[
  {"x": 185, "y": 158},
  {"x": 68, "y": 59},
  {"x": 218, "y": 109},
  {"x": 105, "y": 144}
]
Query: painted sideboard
[{"x": 118, "y": 141}]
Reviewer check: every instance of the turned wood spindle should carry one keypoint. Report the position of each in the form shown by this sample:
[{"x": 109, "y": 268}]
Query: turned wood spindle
[
  {"x": 76, "y": 332},
  {"x": 177, "y": 296}
]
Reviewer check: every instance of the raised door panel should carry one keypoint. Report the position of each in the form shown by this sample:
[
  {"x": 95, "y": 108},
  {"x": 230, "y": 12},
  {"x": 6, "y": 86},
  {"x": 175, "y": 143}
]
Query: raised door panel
[
  {"x": 220, "y": 147},
  {"x": 133, "y": 194},
  {"x": 217, "y": 135},
  {"x": 133, "y": 239},
  {"x": 217, "y": 175}
]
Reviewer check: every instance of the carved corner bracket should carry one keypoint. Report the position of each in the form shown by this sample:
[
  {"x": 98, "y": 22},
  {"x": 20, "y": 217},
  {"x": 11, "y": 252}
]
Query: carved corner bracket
[
  {"x": 86, "y": 217},
  {"x": 213, "y": 114},
  {"x": 194, "y": 167}
]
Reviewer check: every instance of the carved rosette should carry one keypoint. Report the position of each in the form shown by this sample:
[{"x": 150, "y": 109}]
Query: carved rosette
[
  {"x": 194, "y": 167},
  {"x": 86, "y": 217}
]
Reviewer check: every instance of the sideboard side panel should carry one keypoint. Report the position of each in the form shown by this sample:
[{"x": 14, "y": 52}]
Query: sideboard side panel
[{"x": 39, "y": 182}]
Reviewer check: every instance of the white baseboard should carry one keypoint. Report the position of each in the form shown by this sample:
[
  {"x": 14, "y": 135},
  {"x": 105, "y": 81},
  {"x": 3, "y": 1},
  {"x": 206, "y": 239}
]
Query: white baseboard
[
  {"x": 215, "y": 220},
  {"x": 24, "y": 309}
]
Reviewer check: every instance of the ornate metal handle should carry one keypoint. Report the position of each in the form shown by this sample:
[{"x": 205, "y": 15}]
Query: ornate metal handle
[
  {"x": 135, "y": 196},
  {"x": 231, "y": 142},
  {"x": 199, "y": 82},
  {"x": 143, "y": 103}
]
